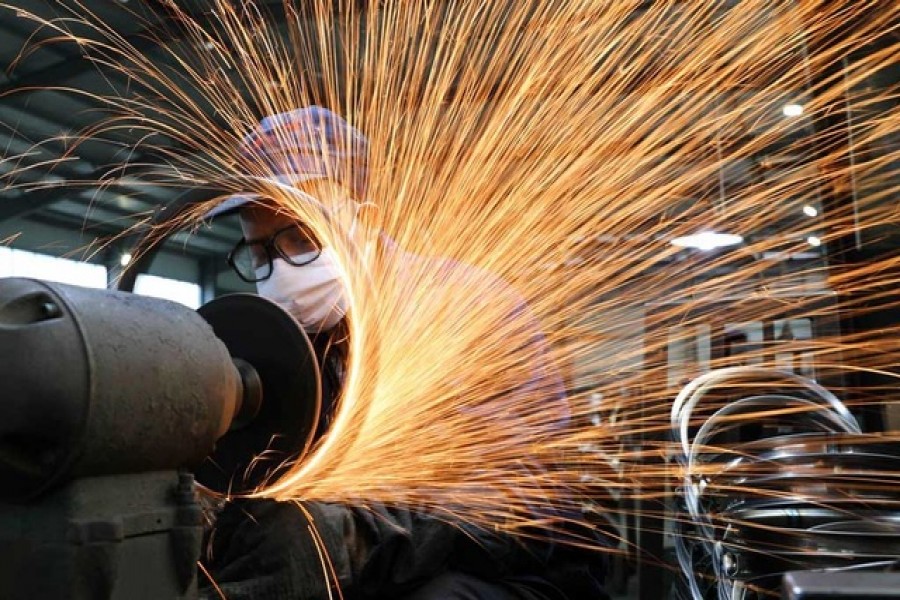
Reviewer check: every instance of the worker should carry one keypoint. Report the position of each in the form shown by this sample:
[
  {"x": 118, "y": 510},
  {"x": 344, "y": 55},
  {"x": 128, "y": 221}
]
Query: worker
[{"x": 263, "y": 549}]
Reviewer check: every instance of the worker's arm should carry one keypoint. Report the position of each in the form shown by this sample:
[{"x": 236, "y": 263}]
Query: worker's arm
[{"x": 262, "y": 549}]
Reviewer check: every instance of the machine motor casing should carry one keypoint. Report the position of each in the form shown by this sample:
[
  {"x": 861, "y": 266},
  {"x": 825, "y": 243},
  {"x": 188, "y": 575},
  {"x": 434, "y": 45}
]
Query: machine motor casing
[{"x": 97, "y": 382}]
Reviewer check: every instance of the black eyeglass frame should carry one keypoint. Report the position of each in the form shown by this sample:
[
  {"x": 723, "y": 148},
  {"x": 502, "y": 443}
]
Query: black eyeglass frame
[{"x": 269, "y": 246}]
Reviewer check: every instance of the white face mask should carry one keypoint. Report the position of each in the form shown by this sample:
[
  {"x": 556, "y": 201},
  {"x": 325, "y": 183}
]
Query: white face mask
[{"x": 313, "y": 293}]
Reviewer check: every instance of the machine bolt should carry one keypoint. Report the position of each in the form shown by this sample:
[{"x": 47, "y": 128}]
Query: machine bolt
[{"x": 50, "y": 310}]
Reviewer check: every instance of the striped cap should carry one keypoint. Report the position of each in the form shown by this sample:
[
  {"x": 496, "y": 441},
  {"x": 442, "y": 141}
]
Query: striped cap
[{"x": 301, "y": 145}]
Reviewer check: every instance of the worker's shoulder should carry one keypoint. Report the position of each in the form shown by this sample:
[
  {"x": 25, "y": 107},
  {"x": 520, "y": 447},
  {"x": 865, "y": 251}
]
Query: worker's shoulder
[{"x": 478, "y": 281}]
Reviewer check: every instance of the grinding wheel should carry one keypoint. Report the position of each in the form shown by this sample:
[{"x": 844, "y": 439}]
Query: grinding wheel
[{"x": 261, "y": 333}]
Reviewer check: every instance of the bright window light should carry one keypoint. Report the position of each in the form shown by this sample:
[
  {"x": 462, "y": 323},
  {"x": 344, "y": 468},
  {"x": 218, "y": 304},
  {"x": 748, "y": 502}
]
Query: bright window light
[
  {"x": 125, "y": 259},
  {"x": 707, "y": 240},
  {"x": 810, "y": 211},
  {"x": 814, "y": 241},
  {"x": 182, "y": 292},
  {"x": 21, "y": 263},
  {"x": 792, "y": 110}
]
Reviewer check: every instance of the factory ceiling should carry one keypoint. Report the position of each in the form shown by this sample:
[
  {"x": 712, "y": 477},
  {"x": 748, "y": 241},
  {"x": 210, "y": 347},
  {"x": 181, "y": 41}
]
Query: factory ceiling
[{"x": 39, "y": 123}]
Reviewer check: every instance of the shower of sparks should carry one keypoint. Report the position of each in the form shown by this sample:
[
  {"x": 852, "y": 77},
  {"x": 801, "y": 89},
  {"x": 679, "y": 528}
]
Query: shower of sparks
[{"x": 558, "y": 147}]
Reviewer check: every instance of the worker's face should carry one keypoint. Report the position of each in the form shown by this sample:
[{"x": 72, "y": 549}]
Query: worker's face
[
  {"x": 260, "y": 222},
  {"x": 292, "y": 270}
]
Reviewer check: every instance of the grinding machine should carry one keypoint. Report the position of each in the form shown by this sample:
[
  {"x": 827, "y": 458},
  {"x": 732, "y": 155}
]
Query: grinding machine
[{"x": 112, "y": 406}]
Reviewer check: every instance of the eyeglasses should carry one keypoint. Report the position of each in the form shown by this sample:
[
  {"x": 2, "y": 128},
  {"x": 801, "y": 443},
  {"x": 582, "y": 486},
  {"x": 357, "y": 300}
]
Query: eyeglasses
[{"x": 252, "y": 260}]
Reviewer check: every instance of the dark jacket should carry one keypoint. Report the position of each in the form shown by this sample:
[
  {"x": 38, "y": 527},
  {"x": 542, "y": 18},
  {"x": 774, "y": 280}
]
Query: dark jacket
[{"x": 266, "y": 550}]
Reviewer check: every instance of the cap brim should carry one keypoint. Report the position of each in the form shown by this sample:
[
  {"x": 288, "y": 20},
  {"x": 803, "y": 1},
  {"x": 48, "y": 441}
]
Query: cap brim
[
  {"x": 233, "y": 203},
  {"x": 229, "y": 204}
]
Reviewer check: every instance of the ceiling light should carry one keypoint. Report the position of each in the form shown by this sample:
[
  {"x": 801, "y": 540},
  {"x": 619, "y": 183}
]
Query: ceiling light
[
  {"x": 125, "y": 259},
  {"x": 707, "y": 240},
  {"x": 810, "y": 211},
  {"x": 814, "y": 241},
  {"x": 792, "y": 110}
]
